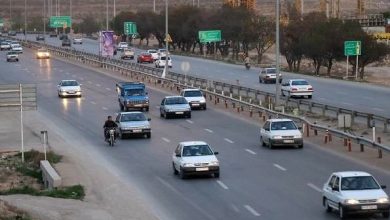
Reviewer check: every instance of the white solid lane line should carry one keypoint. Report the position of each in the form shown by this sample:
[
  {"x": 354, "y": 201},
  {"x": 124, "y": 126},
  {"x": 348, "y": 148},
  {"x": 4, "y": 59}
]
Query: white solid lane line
[
  {"x": 378, "y": 109},
  {"x": 250, "y": 151},
  {"x": 81, "y": 78},
  {"x": 189, "y": 121},
  {"x": 311, "y": 185},
  {"x": 228, "y": 140},
  {"x": 166, "y": 140},
  {"x": 108, "y": 89},
  {"x": 89, "y": 82},
  {"x": 279, "y": 167},
  {"x": 251, "y": 210},
  {"x": 67, "y": 73},
  {"x": 235, "y": 208},
  {"x": 98, "y": 85},
  {"x": 93, "y": 103},
  {"x": 208, "y": 130},
  {"x": 222, "y": 184},
  {"x": 105, "y": 108}
]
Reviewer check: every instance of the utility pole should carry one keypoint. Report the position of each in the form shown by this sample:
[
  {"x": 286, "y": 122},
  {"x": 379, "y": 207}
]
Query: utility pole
[
  {"x": 154, "y": 6},
  {"x": 25, "y": 20},
  {"x": 44, "y": 20},
  {"x": 165, "y": 72},
  {"x": 277, "y": 53},
  {"x": 114, "y": 8},
  {"x": 106, "y": 15}
]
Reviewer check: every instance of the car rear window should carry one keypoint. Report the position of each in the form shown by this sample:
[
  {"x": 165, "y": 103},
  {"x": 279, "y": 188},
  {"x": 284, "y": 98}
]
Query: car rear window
[
  {"x": 134, "y": 92},
  {"x": 133, "y": 117},
  {"x": 196, "y": 150},
  {"x": 283, "y": 125},
  {"x": 359, "y": 183},
  {"x": 175, "y": 101},
  {"x": 299, "y": 83},
  {"x": 69, "y": 83},
  {"x": 192, "y": 94},
  {"x": 272, "y": 70}
]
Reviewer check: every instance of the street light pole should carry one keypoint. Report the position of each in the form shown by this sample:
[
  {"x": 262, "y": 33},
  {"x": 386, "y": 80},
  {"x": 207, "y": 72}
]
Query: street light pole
[
  {"x": 44, "y": 20},
  {"x": 114, "y": 8},
  {"x": 277, "y": 52},
  {"x": 25, "y": 20},
  {"x": 106, "y": 15},
  {"x": 165, "y": 72},
  {"x": 154, "y": 6},
  {"x": 10, "y": 11}
]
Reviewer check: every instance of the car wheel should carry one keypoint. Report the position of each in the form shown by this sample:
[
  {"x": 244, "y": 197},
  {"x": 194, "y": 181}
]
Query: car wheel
[
  {"x": 262, "y": 142},
  {"x": 148, "y": 135},
  {"x": 121, "y": 135},
  {"x": 300, "y": 146},
  {"x": 341, "y": 212},
  {"x": 121, "y": 107},
  {"x": 326, "y": 205},
  {"x": 270, "y": 144},
  {"x": 175, "y": 172},
  {"x": 166, "y": 115},
  {"x": 216, "y": 175},
  {"x": 182, "y": 174},
  {"x": 260, "y": 80},
  {"x": 147, "y": 109},
  {"x": 386, "y": 214},
  {"x": 161, "y": 115},
  {"x": 309, "y": 96},
  {"x": 189, "y": 115},
  {"x": 205, "y": 107}
]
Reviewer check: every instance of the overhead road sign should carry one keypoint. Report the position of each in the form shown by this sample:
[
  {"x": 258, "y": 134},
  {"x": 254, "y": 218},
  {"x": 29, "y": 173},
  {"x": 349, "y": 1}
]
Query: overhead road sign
[
  {"x": 130, "y": 28},
  {"x": 209, "y": 36},
  {"x": 60, "y": 21},
  {"x": 352, "y": 48}
]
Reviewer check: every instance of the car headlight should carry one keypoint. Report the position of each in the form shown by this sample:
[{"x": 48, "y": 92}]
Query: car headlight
[
  {"x": 276, "y": 137},
  {"x": 383, "y": 200},
  {"x": 188, "y": 164},
  {"x": 144, "y": 127},
  {"x": 125, "y": 128},
  {"x": 214, "y": 163},
  {"x": 298, "y": 136},
  {"x": 202, "y": 101},
  {"x": 351, "y": 201}
]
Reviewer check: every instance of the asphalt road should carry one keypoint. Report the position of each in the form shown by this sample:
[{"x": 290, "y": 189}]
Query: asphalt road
[
  {"x": 255, "y": 182},
  {"x": 350, "y": 95}
]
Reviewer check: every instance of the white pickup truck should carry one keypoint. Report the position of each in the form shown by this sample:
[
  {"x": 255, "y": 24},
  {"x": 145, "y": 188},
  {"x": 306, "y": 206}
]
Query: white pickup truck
[{"x": 297, "y": 87}]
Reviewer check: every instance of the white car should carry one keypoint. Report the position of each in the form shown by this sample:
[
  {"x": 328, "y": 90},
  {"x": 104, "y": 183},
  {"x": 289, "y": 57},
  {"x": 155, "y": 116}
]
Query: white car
[
  {"x": 5, "y": 46},
  {"x": 160, "y": 62},
  {"x": 162, "y": 52},
  {"x": 12, "y": 56},
  {"x": 69, "y": 88},
  {"x": 297, "y": 87},
  {"x": 355, "y": 192},
  {"x": 16, "y": 48},
  {"x": 194, "y": 157},
  {"x": 77, "y": 40},
  {"x": 280, "y": 132},
  {"x": 43, "y": 53},
  {"x": 153, "y": 53},
  {"x": 122, "y": 46},
  {"x": 175, "y": 106},
  {"x": 194, "y": 97},
  {"x": 133, "y": 123},
  {"x": 268, "y": 75}
]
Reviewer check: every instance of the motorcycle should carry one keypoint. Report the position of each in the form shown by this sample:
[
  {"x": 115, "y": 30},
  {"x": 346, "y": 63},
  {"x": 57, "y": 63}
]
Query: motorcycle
[
  {"x": 111, "y": 138},
  {"x": 247, "y": 66}
]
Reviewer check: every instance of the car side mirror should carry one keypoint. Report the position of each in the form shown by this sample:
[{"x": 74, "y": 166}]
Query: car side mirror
[
  {"x": 300, "y": 127},
  {"x": 335, "y": 188},
  {"x": 216, "y": 153},
  {"x": 178, "y": 155},
  {"x": 58, "y": 85},
  {"x": 80, "y": 84},
  {"x": 383, "y": 186},
  {"x": 146, "y": 93},
  {"x": 149, "y": 119}
]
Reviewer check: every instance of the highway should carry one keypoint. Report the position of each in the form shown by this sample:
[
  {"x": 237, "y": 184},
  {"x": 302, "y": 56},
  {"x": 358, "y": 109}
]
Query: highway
[
  {"x": 350, "y": 95},
  {"x": 255, "y": 182}
]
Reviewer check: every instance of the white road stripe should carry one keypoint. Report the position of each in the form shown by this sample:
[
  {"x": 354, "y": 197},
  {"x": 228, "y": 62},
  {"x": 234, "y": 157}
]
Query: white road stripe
[
  {"x": 279, "y": 167},
  {"x": 98, "y": 85},
  {"x": 347, "y": 103},
  {"x": 251, "y": 210},
  {"x": 93, "y": 103},
  {"x": 378, "y": 109},
  {"x": 166, "y": 140},
  {"x": 311, "y": 185},
  {"x": 67, "y": 73},
  {"x": 208, "y": 130},
  {"x": 61, "y": 71},
  {"x": 105, "y": 108},
  {"x": 108, "y": 89},
  {"x": 251, "y": 152},
  {"x": 89, "y": 82},
  {"x": 81, "y": 78},
  {"x": 222, "y": 184},
  {"x": 189, "y": 121},
  {"x": 228, "y": 140},
  {"x": 235, "y": 208}
]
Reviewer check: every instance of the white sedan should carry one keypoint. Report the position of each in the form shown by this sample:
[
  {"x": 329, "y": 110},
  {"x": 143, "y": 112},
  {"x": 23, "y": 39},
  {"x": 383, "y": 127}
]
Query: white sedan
[
  {"x": 160, "y": 62},
  {"x": 297, "y": 87},
  {"x": 69, "y": 88},
  {"x": 153, "y": 53}
]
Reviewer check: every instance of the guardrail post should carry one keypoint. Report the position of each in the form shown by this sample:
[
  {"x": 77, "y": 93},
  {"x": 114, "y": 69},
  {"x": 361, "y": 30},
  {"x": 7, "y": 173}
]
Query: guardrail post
[
  {"x": 234, "y": 104},
  {"x": 306, "y": 127},
  {"x": 330, "y": 137},
  {"x": 385, "y": 125},
  {"x": 217, "y": 99},
  {"x": 326, "y": 137},
  {"x": 323, "y": 110},
  {"x": 250, "y": 111},
  {"x": 242, "y": 108},
  {"x": 369, "y": 118},
  {"x": 349, "y": 145},
  {"x": 345, "y": 142},
  {"x": 361, "y": 146},
  {"x": 315, "y": 130},
  {"x": 226, "y": 104},
  {"x": 210, "y": 97},
  {"x": 238, "y": 109}
]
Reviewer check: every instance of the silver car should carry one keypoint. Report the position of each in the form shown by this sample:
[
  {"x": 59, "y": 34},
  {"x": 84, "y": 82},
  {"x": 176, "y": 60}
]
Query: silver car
[
  {"x": 133, "y": 123},
  {"x": 12, "y": 56},
  {"x": 194, "y": 97},
  {"x": 281, "y": 132},
  {"x": 69, "y": 88},
  {"x": 175, "y": 106}
]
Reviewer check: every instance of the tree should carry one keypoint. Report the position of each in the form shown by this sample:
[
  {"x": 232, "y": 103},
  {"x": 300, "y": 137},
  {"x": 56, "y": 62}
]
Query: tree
[
  {"x": 262, "y": 34},
  {"x": 88, "y": 25}
]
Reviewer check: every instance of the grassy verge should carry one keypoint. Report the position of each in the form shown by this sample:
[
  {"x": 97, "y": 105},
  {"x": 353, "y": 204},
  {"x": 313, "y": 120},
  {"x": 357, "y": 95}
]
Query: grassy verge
[{"x": 68, "y": 192}]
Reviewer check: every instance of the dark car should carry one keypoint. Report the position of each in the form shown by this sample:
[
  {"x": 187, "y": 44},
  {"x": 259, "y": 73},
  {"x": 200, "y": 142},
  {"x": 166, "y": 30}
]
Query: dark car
[
  {"x": 66, "y": 42},
  {"x": 12, "y": 33},
  {"x": 63, "y": 36},
  {"x": 40, "y": 37},
  {"x": 53, "y": 34},
  {"x": 145, "y": 58}
]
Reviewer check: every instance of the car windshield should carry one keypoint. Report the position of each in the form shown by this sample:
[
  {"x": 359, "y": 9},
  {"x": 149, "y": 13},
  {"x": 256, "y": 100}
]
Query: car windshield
[
  {"x": 359, "y": 183},
  {"x": 42, "y": 50},
  {"x": 175, "y": 101},
  {"x": 283, "y": 125},
  {"x": 4, "y": 43},
  {"x": 133, "y": 117},
  {"x": 299, "y": 83},
  {"x": 271, "y": 70},
  {"x": 163, "y": 58},
  {"x": 196, "y": 150},
  {"x": 134, "y": 92},
  {"x": 195, "y": 93},
  {"x": 69, "y": 83},
  {"x": 145, "y": 54},
  {"x": 12, "y": 53},
  {"x": 162, "y": 50},
  {"x": 152, "y": 51}
]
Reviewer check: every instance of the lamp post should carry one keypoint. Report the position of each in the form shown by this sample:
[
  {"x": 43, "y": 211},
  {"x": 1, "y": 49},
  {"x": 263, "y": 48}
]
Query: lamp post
[
  {"x": 25, "y": 20},
  {"x": 10, "y": 11},
  {"x": 277, "y": 52},
  {"x": 106, "y": 15},
  {"x": 154, "y": 6},
  {"x": 44, "y": 20},
  {"x": 165, "y": 72},
  {"x": 114, "y": 8}
]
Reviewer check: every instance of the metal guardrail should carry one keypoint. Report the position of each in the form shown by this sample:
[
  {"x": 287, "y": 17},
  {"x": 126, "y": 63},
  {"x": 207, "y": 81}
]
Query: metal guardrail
[{"x": 224, "y": 91}]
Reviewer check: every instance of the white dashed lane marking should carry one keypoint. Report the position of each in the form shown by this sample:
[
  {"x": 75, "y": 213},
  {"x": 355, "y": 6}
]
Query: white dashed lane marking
[
  {"x": 105, "y": 108},
  {"x": 108, "y": 89},
  {"x": 81, "y": 78},
  {"x": 251, "y": 210},
  {"x": 189, "y": 121},
  {"x": 378, "y": 109},
  {"x": 166, "y": 140},
  {"x": 279, "y": 167},
  {"x": 89, "y": 82},
  {"x": 311, "y": 185},
  {"x": 93, "y": 103},
  {"x": 250, "y": 151},
  {"x": 228, "y": 140},
  {"x": 208, "y": 130},
  {"x": 98, "y": 85},
  {"x": 222, "y": 184}
]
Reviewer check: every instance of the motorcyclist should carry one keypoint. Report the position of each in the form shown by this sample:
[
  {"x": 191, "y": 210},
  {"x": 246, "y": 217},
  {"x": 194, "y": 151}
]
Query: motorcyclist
[
  {"x": 109, "y": 123},
  {"x": 247, "y": 60}
]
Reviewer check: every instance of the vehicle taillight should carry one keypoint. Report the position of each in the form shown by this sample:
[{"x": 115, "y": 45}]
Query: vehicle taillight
[
  {"x": 310, "y": 88},
  {"x": 267, "y": 76},
  {"x": 294, "y": 89}
]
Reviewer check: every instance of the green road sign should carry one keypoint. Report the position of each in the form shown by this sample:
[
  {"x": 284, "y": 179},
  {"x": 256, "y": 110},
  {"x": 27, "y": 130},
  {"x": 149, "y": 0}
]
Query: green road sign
[
  {"x": 210, "y": 36},
  {"x": 1, "y": 22},
  {"x": 352, "y": 48},
  {"x": 130, "y": 28},
  {"x": 60, "y": 21}
]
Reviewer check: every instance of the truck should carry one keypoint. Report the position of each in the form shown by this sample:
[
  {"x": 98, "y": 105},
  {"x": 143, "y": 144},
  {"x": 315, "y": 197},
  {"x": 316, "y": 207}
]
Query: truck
[{"x": 132, "y": 96}]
